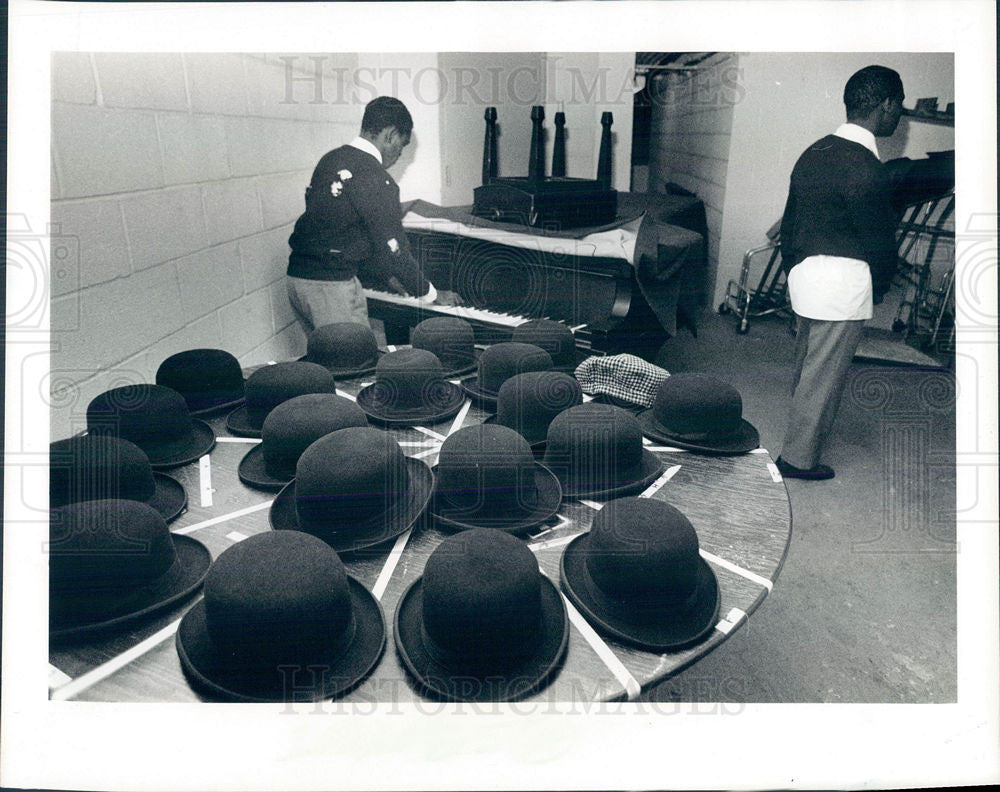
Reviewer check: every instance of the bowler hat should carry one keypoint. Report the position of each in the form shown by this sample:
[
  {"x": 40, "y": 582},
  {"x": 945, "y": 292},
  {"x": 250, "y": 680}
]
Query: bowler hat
[
  {"x": 409, "y": 389},
  {"x": 289, "y": 429},
  {"x": 637, "y": 576},
  {"x": 451, "y": 339},
  {"x": 486, "y": 477},
  {"x": 114, "y": 561},
  {"x": 281, "y": 620},
  {"x": 347, "y": 349},
  {"x": 499, "y": 363},
  {"x": 528, "y": 402},
  {"x": 100, "y": 467},
  {"x": 555, "y": 338},
  {"x": 596, "y": 451},
  {"x": 271, "y": 385},
  {"x": 153, "y": 417},
  {"x": 482, "y": 623},
  {"x": 700, "y": 413},
  {"x": 210, "y": 380},
  {"x": 353, "y": 488}
]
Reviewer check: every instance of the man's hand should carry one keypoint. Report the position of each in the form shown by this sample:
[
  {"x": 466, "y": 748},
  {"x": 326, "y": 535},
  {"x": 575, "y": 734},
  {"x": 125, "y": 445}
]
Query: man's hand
[
  {"x": 448, "y": 298},
  {"x": 396, "y": 286}
]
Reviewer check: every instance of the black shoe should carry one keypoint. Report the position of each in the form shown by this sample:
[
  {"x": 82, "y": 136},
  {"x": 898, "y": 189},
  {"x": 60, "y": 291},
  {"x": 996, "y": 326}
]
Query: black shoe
[{"x": 815, "y": 473}]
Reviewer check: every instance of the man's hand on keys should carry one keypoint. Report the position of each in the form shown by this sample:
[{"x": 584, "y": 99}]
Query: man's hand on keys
[{"x": 448, "y": 298}]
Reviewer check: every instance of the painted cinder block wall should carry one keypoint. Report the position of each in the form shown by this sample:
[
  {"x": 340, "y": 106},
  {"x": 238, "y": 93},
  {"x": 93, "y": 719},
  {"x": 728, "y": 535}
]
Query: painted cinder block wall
[{"x": 178, "y": 177}]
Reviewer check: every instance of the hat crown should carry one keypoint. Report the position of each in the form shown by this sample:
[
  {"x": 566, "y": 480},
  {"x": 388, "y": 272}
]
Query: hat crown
[
  {"x": 345, "y": 345},
  {"x": 450, "y": 338},
  {"x": 594, "y": 443},
  {"x": 698, "y": 405},
  {"x": 291, "y": 427},
  {"x": 271, "y": 385},
  {"x": 101, "y": 544},
  {"x": 502, "y": 361},
  {"x": 410, "y": 378},
  {"x": 528, "y": 402},
  {"x": 98, "y": 467},
  {"x": 348, "y": 476},
  {"x": 482, "y": 598},
  {"x": 140, "y": 413},
  {"x": 278, "y": 597},
  {"x": 642, "y": 549},
  {"x": 554, "y": 337},
  {"x": 204, "y": 377},
  {"x": 485, "y": 465}
]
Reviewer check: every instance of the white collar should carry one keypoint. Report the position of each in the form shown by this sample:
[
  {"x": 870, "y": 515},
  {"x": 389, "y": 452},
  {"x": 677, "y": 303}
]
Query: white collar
[
  {"x": 857, "y": 134},
  {"x": 367, "y": 146}
]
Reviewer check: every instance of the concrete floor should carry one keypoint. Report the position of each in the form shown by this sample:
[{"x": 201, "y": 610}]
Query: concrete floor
[{"x": 864, "y": 609}]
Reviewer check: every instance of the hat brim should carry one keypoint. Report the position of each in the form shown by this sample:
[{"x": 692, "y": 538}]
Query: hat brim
[
  {"x": 743, "y": 440},
  {"x": 77, "y": 613},
  {"x": 163, "y": 456},
  {"x": 658, "y": 632},
  {"x": 213, "y": 672},
  {"x": 419, "y": 415},
  {"x": 253, "y": 471},
  {"x": 461, "y": 369},
  {"x": 215, "y": 409},
  {"x": 503, "y": 684},
  {"x": 349, "y": 538},
  {"x": 347, "y": 373},
  {"x": 650, "y": 467},
  {"x": 516, "y": 521},
  {"x": 238, "y": 423},
  {"x": 484, "y": 399},
  {"x": 169, "y": 498}
]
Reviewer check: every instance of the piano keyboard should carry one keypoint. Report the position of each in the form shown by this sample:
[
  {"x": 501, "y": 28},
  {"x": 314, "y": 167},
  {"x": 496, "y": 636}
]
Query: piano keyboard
[{"x": 462, "y": 311}]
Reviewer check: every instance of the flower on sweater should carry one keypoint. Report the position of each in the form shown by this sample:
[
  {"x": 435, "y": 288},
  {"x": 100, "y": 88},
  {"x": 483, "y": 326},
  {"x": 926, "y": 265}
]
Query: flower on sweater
[
  {"x": 393, "y": 245},
  {"x": 336, "y": 188},
  {"x": 344, "y": 174}
]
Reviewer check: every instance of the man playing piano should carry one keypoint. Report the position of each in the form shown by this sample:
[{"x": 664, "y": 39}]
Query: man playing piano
[{"x": 352, "y": 226}]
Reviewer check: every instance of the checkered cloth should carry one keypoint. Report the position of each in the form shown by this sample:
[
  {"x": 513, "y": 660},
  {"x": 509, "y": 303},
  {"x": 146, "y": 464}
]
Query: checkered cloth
[{"x": 624, "y": 377}]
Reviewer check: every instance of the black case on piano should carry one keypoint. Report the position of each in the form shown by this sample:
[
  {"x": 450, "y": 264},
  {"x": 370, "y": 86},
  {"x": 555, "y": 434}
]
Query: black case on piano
[{"x": 561, "y": 202}]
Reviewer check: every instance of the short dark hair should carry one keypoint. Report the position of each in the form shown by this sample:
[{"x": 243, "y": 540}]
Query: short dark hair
[
  {"x": 386, "y": 111},
  {"x": 869, "y": 87}
]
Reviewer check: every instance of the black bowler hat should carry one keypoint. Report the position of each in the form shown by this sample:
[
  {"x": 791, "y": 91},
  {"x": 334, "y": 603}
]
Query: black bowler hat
[
  {"x": 289, "y": 429},
  {"x": 210, "y": 380},
  {"x": 115, "y": 561},
  {"x": 281, "y": 620},
  {"x": 353, "y": 488},
  {"x": 482, "y": 623},
  {"x": 409, "y": 389},
  {"x": 153, "y": 417},
  {"x": 596, "y": 451},
  {"x": 637, "y": 576},
  {"x": 451, "y": 339},
  {"x": 271, "y": 385},
  {"x": 555, "y": 338},
  {"x": 700, "y": 413},
  {"x": 347, "y": 349},
  {"x": 528, "y": 402},
  {"x": 486, "y": 477},
  {"x": 498, "y": 364},
  {"x": 101, "y": 467}
]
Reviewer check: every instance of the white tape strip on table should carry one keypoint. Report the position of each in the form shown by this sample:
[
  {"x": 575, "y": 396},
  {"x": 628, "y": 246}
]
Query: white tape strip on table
[
  {"x": 609, "y": 658},
  {"x": 758, "y": 579},
  {"x": 345, "y": 394},
  {"x": 103, "y": 671},
  {"x": 205, "y": 477},
  {"x": 235, "y": 536},
  {"x": 592, "y": 504},
  {"x": 251, "y": 440},
  {"x": 733, "y": 618},
  {"x": 57, "y": 678},
  {"x": 390, "y": 565},
  {"x": 562, "y": 540},
  {"x": 223, "y": 518},
  {"x": 775, "y": 473},
  {"x": 431, "y": 433},
  {"x": 457, "y": 423},
  {"x": 657, "y": 485}
]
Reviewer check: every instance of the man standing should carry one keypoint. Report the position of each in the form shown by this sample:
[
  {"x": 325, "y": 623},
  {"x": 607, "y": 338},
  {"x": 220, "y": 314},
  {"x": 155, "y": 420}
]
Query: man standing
[
  {"x": 352, "y": 224},
  {"x": 839, "y": 248}
]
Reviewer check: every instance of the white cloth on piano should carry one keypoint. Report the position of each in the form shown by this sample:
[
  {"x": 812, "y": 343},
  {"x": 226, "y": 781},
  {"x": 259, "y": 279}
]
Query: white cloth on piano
[{"x": 613, "y": 243}]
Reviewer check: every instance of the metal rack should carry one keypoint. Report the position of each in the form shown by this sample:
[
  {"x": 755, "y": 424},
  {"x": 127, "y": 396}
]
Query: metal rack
[{"x": 771, "y": 294}]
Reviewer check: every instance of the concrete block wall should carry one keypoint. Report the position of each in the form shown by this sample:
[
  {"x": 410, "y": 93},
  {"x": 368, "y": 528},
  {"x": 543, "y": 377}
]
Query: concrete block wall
[
  {"x": 691, "y": 136},
  {"x": 178, "y": 177}
]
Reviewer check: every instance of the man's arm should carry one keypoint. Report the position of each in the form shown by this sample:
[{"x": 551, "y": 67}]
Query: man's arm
[{"x": 870, "y": 211}]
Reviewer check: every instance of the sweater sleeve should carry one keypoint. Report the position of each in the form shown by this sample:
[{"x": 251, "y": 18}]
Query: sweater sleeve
[
  {"x": 869, "y": 208},
  {"x": 789, "y": 257},
  {"x": 375, "y": 198}
]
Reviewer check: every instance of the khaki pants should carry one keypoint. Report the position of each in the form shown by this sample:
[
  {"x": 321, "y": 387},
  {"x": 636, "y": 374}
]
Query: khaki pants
[{"x": 318, "y": 303}]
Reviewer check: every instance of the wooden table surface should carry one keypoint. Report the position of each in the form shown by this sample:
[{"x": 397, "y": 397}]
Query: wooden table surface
[{"x": 738, "y": 506}]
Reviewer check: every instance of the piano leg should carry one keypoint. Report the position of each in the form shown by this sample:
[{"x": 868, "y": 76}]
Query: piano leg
[{"x": 397, "y": 334}]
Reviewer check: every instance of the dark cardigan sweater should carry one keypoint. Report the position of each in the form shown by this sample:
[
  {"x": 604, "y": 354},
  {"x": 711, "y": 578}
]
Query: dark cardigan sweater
[
  {"x": 839, "y": 205},
  {"x": 352, "y": 213}
]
